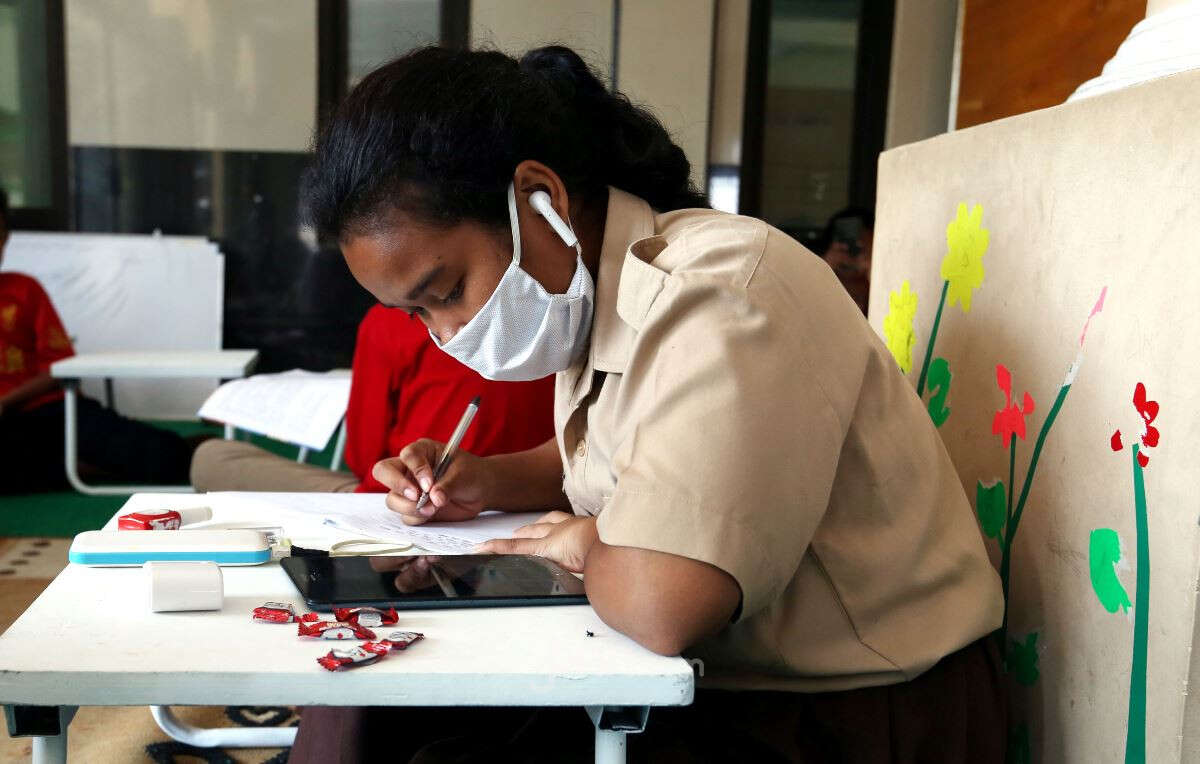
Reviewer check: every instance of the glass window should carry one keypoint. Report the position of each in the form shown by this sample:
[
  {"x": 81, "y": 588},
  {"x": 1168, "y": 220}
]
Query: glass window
[
  {"x": 380, "y": 30},
  {"x": 809, "y": 112},
  {"x": 26, "y": 136}
]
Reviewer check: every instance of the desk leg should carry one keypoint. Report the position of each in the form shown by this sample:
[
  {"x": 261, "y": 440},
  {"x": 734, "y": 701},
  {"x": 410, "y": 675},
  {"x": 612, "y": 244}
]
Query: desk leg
[
  {"x": 610, "y": 747},
  {"x": 613, "y": 723},
  {"x": 222, "y": 737},
  {"x": 71, "y": 453},
  {"x": 339, "y": 447},
  {"x": 52, "y": 749}
]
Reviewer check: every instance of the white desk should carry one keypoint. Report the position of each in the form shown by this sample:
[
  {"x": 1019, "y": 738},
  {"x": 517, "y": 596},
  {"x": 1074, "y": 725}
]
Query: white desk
[
  {"x": 224, "y": 364},
  {"x": 91, "y": 640}
]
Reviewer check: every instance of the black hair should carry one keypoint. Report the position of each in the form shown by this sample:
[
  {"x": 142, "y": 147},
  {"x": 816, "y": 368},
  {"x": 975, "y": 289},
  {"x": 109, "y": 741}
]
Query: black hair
[
  {"x": 438, "y": 133},
  {"x": 4, "y": 207}
]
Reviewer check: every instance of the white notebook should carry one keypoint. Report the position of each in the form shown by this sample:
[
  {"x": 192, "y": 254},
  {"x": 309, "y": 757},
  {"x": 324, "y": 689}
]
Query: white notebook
[{"x": 301, "y": 407}]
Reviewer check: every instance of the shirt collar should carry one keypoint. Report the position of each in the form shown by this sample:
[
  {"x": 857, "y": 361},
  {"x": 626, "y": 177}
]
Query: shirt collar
[{"x": 629, "y": 220}]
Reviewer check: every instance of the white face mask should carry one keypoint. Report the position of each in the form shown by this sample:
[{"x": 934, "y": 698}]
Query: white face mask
[{"x": 523, "y": 332}]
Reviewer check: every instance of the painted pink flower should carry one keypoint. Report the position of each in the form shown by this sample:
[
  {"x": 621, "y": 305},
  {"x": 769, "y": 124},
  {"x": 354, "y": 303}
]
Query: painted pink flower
[
  {"x": 1148, "y": 411},
  {"x": 1010, "y": 420}
]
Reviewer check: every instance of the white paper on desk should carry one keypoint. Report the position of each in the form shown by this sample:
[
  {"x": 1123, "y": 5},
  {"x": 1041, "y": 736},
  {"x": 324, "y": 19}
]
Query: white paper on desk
[
  {"x": 438, "y": 538},
  {"x": 322, "y": 505},
  {"x": 295, "y": 407},
  {"x": 366, "y": 515}
]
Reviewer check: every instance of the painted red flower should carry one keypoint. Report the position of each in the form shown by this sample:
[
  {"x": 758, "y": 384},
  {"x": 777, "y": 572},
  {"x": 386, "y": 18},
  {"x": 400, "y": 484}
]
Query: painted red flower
[
  {"x": 1010, "y": 420},
  {"x": 1148, "y": 411}
]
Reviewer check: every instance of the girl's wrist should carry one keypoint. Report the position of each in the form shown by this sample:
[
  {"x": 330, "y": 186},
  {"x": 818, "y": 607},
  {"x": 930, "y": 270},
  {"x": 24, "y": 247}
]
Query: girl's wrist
[{"x": 490, "y": 489}]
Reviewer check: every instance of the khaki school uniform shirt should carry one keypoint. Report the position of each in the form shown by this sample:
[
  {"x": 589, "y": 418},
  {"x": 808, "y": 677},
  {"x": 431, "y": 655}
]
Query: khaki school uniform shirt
[{"x": 735, "y": 407}]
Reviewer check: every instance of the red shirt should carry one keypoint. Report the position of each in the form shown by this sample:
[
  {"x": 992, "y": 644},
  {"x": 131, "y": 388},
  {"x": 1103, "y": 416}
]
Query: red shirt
[
  {"x": 31, "y": 335},
  {"x": 403, "y": 388}
]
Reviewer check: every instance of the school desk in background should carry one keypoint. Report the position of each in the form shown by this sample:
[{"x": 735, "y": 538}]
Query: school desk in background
[{"x": 173, "y": 365}]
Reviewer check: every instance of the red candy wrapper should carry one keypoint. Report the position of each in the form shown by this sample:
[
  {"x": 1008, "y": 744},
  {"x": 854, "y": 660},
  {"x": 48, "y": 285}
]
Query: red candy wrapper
[
  {"x": 400, "y": 640},
  {"x": 367, "y": 616},
  {"x": 333, "y": 630},
  {"x": 274, "y": 612},
  {"x": 164, "y": 520},
  {"x": 281, "y": 612},
  {"x": 355, "y": 656},
  {"x": 368, "y": 652}
]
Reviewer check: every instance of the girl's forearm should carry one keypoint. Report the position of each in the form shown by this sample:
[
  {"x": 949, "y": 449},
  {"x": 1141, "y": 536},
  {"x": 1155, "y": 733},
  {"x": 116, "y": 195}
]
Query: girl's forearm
[{"x": 527, "y": 480}]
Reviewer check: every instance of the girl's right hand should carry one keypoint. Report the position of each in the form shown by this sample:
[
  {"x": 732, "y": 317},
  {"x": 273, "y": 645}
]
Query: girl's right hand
[{"x": 461, "y": 494}]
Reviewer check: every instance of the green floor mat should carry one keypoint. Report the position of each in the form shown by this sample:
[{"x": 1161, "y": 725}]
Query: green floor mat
[{"x": 66, "y": 513}]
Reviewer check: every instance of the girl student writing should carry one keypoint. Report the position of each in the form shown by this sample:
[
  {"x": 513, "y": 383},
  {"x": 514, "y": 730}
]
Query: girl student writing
[{"x": 739, "y": 468}]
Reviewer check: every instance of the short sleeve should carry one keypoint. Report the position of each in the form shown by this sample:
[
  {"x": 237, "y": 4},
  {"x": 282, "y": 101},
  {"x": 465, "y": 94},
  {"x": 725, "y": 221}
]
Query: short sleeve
[
  {"x": 53, "y": 344},
  {"x": 374, "y": 391},
  {"x": 736, "y": 443}
]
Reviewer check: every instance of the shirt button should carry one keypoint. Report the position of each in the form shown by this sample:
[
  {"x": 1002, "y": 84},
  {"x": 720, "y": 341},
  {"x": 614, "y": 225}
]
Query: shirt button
[{"x": 581, "y": 448}]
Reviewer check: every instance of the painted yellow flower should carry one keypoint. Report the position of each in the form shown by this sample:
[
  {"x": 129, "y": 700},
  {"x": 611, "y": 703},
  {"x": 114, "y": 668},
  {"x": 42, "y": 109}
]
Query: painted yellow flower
[
  {"x": 898, "y": 325},
  {"x": 963, "y": 264}
]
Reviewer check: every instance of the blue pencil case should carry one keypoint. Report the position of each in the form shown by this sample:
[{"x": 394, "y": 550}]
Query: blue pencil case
[{"x": 132, "y": 548}]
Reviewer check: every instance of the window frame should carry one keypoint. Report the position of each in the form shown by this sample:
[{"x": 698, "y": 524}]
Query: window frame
[{"x": 54, "y": 217}]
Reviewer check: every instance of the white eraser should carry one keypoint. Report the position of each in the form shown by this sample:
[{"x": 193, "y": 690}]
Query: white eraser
[
  {"x": 176, "y": 586},
  {"x": 194, "y": 515}
]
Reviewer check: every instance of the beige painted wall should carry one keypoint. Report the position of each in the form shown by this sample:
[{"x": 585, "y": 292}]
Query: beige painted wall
[
  {"x": 729, "y": 81},
  {"x": 192, "y": 74},
  {"x": 1158, "y": 6},
  {"x": 515, "y": 26},
  {"x": 922, "y": 70},
  {"x": 664, "y": 52},
  {"x": 664, "y": 61}
]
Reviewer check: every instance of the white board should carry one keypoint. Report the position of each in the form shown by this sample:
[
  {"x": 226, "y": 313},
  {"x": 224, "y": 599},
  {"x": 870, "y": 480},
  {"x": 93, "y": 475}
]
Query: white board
[{"x": 130, "y": 292}]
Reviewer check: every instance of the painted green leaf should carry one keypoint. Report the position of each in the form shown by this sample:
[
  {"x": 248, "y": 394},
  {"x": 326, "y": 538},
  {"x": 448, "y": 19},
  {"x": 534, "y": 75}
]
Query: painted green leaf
[
  {"x": 1023, "y": 659},
  {"x": 990, "y": 504},
  {"x": 939, "y": 384},
  {"x": 1104, "y": 551},
  {"x": 1018, "y": 745}
]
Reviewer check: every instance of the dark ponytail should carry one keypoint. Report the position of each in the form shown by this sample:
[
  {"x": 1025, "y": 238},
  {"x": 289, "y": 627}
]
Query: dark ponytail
[{"x": 437, "y": 133}]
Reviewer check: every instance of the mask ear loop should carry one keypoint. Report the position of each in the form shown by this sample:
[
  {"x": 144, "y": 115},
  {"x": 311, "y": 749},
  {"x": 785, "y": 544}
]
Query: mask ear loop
[
  {"x": 578, "y": 246},
  {"x": 516, "y": 227}
]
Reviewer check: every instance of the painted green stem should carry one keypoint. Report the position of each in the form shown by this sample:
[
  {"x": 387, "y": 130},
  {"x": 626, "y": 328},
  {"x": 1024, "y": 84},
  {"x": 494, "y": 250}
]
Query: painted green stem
[
  {"x": 1012, "y": 468},
  {"x": 937, "y": 321},
  {"x": 1010, "y": 530},
  {"x": 1135, "y": 737}
]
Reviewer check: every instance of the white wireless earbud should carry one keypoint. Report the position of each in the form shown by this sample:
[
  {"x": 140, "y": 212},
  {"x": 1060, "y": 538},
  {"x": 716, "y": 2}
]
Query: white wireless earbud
[{"x": 540, "y": 201}]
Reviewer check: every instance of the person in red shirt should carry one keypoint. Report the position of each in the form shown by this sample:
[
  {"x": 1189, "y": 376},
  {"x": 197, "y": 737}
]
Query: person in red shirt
[
  {"x": 31, "y": 404},
  {"x": 402, "y": 388}
]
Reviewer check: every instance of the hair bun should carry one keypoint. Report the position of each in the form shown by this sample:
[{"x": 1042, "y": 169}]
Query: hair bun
[{"x": 563, "y": 69}]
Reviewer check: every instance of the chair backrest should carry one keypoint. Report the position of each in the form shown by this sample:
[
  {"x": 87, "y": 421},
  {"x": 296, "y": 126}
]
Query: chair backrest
[{"x": 1024, "y": 235}]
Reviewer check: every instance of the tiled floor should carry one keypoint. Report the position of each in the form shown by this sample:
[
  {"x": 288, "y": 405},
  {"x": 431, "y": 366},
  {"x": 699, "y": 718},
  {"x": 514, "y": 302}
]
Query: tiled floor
[{"x": 32, "y": 558}]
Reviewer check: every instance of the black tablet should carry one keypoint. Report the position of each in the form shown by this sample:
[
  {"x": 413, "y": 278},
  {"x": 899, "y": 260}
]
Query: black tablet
[{"x": 432, "y": 581}]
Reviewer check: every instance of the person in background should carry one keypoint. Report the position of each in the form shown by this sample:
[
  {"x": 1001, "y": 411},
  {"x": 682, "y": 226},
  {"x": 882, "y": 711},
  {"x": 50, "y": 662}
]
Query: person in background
[
  {"x": 401, "y": 388},
  {"x": 847, "y": 242},
  {"x": 31, "y": 404}
]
